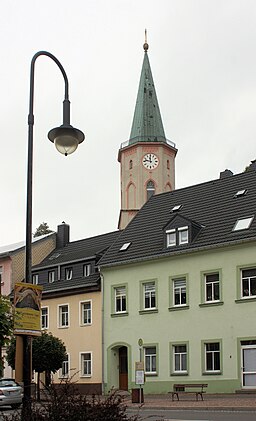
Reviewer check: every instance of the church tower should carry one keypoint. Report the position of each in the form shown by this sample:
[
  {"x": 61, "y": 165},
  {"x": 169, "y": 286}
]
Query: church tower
[{"x": 147, "y": 159}]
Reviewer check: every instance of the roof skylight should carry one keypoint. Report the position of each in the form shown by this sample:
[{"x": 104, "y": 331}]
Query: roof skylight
[
  {"x": 54, "y": 256},
  {"x": 125, "y": 246},
  {"x": 240, "y": 193},
  {"x": 243, "y": 223},
  {"x": 176, "y": 208}
]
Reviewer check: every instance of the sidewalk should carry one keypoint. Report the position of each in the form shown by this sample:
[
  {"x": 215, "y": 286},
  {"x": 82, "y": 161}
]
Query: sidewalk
[{"x": 231, "y": 402}]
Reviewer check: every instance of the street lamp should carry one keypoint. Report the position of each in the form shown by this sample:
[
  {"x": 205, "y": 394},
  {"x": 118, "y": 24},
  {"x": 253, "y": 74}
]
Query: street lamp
[{"x": 66, "y": 139}]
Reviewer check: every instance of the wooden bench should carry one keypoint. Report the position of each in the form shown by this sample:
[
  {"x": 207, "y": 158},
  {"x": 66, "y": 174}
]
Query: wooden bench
[{"x": 183, "y": 388}]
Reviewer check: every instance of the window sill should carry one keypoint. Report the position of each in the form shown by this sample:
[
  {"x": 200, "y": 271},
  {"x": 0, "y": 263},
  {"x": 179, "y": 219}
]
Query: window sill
[
  {"x": 211, "y": 304},
  {"x": 85, "y": 324},
  {"x": 63, "y": 327},
  {"x": 86, "y": 376},
  {"x": 175, "y": 308},
  {"x": 179, "y": 374},
  {"x": 120, "y": 314},
  {"x": 149, "y": 311},
  {"x": 151, "y": 374},
  {"x": 212, "y": 373},
  {"x": 245, "y": 300}
]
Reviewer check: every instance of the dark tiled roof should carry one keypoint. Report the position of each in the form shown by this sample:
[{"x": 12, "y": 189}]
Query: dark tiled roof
[
  {"x": 89, "y": 282},
  {"x": 77, "y": 250},
  {"x": 211, "y": 205}
]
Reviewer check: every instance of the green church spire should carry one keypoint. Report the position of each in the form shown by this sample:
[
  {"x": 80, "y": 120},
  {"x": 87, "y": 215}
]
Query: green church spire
[{"x": 147, "y": 123}]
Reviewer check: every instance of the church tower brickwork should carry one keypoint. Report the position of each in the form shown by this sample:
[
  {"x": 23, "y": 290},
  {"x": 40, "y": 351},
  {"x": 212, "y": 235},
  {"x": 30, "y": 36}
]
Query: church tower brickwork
[{"x": 147, "y": 159}]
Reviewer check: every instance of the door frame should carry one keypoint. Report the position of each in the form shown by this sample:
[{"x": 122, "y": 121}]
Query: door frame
[{"x": 243, "y": 347}]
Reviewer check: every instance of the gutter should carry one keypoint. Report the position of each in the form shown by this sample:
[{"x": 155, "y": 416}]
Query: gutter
[{"x": 102, "y": 336}]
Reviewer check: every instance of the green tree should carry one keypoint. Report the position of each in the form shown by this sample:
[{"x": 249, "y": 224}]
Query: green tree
[
  {"x": 42, "y": 230},
  {"x": 6, "y": 326},
  {"x": 48, "y": 354}
]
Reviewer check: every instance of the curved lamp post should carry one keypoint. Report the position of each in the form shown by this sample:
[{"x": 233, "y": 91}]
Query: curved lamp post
[{"x": 66, "y": 139}]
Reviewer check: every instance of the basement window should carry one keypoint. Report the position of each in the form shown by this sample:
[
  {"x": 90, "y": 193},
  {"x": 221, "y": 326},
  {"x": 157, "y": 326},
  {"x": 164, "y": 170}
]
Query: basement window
[{"x": 243, "y": 224}]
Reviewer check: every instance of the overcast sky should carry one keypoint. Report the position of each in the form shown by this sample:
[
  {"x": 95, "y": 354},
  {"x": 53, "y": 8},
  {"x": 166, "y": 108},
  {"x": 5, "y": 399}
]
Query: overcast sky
[{"x": 203, "y": 59}]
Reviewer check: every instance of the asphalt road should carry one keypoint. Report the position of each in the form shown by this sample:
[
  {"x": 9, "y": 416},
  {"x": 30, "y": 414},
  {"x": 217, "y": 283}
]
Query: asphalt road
[{"x": 172, "y": 415}]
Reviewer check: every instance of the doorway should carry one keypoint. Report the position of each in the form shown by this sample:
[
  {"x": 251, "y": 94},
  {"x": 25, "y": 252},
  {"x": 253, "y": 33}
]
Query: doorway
[
  {"x": 123, "y": 368},
  {"x": 249, "y": 366}
]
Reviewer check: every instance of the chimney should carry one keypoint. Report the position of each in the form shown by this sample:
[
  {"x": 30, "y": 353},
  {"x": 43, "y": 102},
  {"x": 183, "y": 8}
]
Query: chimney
[
  {"x": 62, "y": 235},
  {"x": 226, "y": 174}
]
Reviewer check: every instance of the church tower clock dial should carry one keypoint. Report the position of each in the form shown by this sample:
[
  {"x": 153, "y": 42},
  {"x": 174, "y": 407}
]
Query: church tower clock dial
[
  {"x": 150, "y": 161},
  {"x": 147, "y": 159}
]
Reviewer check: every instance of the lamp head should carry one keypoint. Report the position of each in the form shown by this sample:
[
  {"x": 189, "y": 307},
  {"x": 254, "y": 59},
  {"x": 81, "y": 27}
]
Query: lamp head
[{"x": 66, "y": 138}]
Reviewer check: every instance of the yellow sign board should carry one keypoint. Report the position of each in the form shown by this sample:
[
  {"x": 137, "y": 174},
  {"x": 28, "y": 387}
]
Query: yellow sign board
[{"x": 27, "y": 303}]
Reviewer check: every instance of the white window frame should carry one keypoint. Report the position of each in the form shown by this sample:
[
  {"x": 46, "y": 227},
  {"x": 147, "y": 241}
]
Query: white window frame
[
  {"x": 212, "y": 352},
  {"x": 68, "y": 273},
  {"x": 60, "y": 325},
  {"x": 181, "y": 231},
  {"x": 171, "y": 238},
  {"x": 150, "y": 293},
  {"x": 46, "y": 316},
  {"x": 213, "y": 283},
  {"x": 248, "y": 278},
  {"x": 119, "y": 296},
  {"x": 180, "y": 289},
  {"x": 51, "y": 276},
  {"x": 180, "y": 355},
  {"x": 88, "y": 312},
  {"x": 243, "y": 223},
  {"x": 150, "y": 358},
  {"x": 81, "y": 354},
  {"x": 64, "y": 371},
  {"x": 87, "y": 269},
  {"x": 35, "y": 279}
]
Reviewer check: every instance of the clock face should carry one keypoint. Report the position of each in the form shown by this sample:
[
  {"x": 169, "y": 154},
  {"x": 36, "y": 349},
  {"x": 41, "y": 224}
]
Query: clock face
[{"x": 150, "y": 161}]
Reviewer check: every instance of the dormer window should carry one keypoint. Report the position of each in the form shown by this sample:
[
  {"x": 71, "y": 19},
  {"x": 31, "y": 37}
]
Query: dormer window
[
  {"x": 177, "y": 236},
  {"x": 183, "y": 235},
  {"x": 68, "y": 274},
  {"x": 171, "y": 238}
]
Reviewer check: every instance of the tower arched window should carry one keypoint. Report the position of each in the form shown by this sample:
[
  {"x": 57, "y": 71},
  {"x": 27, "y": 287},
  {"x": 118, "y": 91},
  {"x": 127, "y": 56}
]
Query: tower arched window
[
  {"x": 150, "y": 189},
  {"x": 168, "y": 164},
  {"x": 130, "y": 164}
]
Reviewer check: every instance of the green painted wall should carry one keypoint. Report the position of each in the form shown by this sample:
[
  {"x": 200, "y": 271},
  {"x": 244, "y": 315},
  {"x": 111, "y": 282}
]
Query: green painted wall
[{"x": 193, "y": 325}]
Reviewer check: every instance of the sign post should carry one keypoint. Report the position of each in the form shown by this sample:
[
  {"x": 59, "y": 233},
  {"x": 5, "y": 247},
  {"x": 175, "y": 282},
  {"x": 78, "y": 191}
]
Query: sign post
[{"x": 139, "y": 369}]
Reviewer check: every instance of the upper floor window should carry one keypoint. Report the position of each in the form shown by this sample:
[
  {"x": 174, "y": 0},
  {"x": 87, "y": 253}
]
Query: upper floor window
[
  {"x": 86, "y": 313},
  {"x": 150, "y": 360},
  {"x": 179, "y": 292},
  {"x": 35, "y": 278},
  {"x": 51, "y": 276},
  {"x": 248, "y": 282},
  {"x": 120, "y": 299},
  {"x": 149, "y": 290},
  {"x": 150, "y": 189},
  {"x": 212, "y": 287},
  {"x": 87, "y": 269},
  {"x": 68, "y": 273},
  {"x": 44, "y": 317},
  {"x": 63, "y": 315},
  {"x": 86, "y": 364}
]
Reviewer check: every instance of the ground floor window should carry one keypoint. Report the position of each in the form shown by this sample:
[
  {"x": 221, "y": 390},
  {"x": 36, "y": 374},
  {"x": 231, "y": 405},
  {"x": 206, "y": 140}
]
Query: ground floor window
[
  {"x": 179, "y": 358},
  {"x": 212, "y": 357},
  {"x": 86, "y": 364},
  {"x": 150, "y": 360},
  {"x": 64, "y": 370}
]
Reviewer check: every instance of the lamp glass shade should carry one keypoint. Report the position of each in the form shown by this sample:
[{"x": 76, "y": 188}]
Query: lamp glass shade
[
  {"x": 66, "y": 139},
  {"x": 66, "y": 144}
]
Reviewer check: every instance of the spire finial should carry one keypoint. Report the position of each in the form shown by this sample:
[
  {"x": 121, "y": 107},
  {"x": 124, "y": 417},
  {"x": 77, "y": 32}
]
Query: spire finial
[{"x": 145, "y": 45}]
